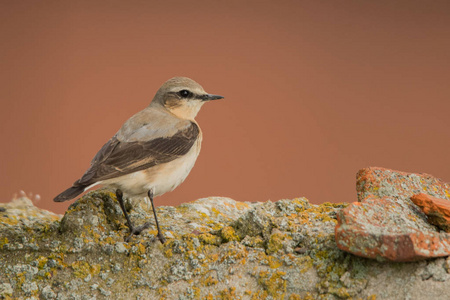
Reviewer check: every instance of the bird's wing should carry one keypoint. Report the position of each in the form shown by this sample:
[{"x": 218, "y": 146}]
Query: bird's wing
[{"x": 118, "y": 158}]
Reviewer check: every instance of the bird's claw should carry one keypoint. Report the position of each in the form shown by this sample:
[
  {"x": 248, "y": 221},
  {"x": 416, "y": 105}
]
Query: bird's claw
[
  {"x": 161, "y": 238},
  {"x": 137, "y": 230}
]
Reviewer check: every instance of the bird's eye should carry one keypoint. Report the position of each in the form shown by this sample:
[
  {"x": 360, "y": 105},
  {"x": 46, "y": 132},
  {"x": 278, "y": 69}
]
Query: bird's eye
[{"x": 185, "y": 93}]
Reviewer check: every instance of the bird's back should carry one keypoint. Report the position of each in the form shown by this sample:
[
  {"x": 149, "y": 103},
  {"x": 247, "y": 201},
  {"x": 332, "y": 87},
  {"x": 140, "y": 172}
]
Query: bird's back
[{"x": 150, "y": 137}]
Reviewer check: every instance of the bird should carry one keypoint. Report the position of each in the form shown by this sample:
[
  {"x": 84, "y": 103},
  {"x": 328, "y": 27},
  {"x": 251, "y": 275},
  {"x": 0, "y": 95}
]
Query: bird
[{"x": 153, "y": 152}]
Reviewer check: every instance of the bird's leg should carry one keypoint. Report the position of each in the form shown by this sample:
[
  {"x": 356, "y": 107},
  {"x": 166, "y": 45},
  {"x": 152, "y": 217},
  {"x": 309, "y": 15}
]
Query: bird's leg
[
  {"x": 160, "y": 236},
  {"x": 119, "y": 196},
  {"x": 133, "y": 230}
]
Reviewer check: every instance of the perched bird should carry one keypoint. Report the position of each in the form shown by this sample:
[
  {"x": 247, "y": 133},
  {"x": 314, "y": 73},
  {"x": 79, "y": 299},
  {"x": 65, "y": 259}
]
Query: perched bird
[{"x": 153, "y": 151}]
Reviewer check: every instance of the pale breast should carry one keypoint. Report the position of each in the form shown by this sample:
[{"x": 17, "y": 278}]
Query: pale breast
[{"x": 170, "y": 175}]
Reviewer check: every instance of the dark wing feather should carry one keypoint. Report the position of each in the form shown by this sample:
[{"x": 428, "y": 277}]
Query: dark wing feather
[{"x": 120, "y": 158}]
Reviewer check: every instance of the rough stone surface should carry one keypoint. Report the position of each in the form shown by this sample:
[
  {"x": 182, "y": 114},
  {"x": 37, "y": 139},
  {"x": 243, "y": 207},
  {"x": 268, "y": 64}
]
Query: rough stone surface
[
  {"x": 216, "y": 248},
  {"x": 437, "y": 210},
  {"x": 382, "y": 182},
  {"x": 386, "y": 224},
  {"x": 388, "y": 229}
]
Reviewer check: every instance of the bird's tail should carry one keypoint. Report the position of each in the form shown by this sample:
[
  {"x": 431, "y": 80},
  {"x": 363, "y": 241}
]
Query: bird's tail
[{"x": 70, "y": 193}]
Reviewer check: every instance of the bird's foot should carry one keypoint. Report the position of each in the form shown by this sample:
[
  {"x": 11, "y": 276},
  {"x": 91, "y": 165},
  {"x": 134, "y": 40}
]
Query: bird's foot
[
  {"x": 161, "y": 237},
  {"x": 137, "y": 230},
  {"x": 133, "y": 230}
]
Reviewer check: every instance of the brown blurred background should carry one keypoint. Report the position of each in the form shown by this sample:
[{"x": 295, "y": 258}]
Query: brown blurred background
[{"x": 315, "y": 90}]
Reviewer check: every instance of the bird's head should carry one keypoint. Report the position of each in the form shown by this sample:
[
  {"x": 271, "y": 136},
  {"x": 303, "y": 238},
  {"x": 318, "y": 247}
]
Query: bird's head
[{"x": 183, "y": 97}]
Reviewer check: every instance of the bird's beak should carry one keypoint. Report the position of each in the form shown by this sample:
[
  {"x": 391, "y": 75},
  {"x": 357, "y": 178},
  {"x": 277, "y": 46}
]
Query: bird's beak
[{"x": 208, "y": 97}]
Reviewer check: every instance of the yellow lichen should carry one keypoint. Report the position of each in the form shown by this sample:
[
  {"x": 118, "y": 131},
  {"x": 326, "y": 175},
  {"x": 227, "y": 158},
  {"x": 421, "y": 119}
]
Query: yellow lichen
[
  {"x": 82, "y": 269},
  {"x": 241, "y": 205},
  {"x": 304, "y": 263},
  {"x": 308, "y": 296},
  {"x": 210, "y": 239},
  {"x": 216, "y": 211},
  {"x": 209, "y": 297},
  {"x": 3, "y": 242},
  {"x": 254, "y": 241},
  {"x": 42, "y": 261},
  {"x": 197, "y": 292},
  {"x": 273, "y": 283},
  {"x": 213, "y": 257},
  {"x": 228, "y": 294},
  {"x": 168, "y": 253},
  {"x": 20, "y": 278},
  {"x": 340, "y": 292},
  {"x": 141, "y": 249},
  {"x": 162, "y": 293},
  {"x": 275, "y": 242},
  {"x": 228, "y": 234},
  {"x": 258, "y": 295},
  {"x": 236, "y": 253},
  {"x": 210, "y": 280},
  {"x": 274, "y": 262},
  {"x": 12, "y": 220}
]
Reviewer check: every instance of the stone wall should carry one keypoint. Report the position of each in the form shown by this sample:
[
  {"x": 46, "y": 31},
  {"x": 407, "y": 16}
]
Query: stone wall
[{"x": 216, "y": 248}]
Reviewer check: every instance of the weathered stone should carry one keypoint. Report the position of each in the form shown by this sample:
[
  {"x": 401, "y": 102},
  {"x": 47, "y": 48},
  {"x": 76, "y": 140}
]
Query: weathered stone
[
  {"x": 382, "y": 182},
  {"x": 387, "y": 228},
  {"x": 255, "y": 222},
  {"x": 437, "y": 210},
  {"x": 290, "y": 253},
  {"x": 5, "y": 290},
  {"x": 21, "y": 210},
  {"x": 386, "y": 224}
]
